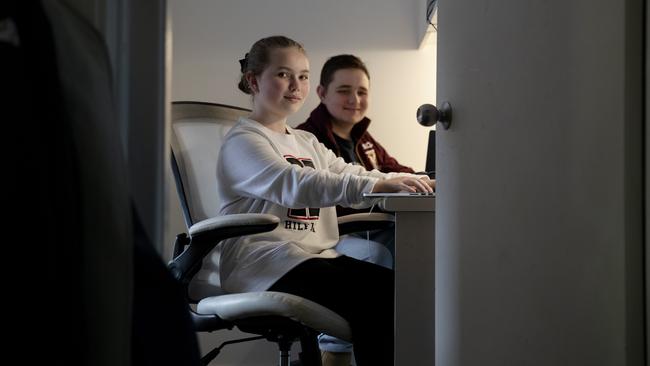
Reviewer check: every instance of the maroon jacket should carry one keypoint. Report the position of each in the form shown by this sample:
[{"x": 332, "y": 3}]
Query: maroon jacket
[{"x": 369, "y": 152}]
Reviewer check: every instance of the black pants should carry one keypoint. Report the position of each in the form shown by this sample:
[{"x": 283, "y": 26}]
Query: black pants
[{"x": 360, "y": 292}]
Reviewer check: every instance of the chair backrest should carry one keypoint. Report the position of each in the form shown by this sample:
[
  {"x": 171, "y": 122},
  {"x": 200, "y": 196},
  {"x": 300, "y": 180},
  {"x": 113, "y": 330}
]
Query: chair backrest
[{"x": 198, "y": 129}]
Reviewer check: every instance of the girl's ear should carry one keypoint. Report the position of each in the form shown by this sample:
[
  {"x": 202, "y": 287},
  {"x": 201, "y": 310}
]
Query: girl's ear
[
  {"x": 321, "y": 91},
  {"x": 252, "y": 82}
]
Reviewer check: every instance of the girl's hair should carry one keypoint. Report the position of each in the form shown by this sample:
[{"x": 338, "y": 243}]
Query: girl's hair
[
  {"x": 339, "y": 62},
  {"x": 257, "y": 59}
]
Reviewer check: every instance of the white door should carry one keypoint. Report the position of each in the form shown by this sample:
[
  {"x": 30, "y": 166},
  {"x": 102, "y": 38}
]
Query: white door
[{"x": 539, "y": 208}]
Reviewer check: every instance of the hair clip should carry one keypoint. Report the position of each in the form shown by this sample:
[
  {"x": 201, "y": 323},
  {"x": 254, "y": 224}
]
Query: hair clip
[{"x": 243, "y": 63}]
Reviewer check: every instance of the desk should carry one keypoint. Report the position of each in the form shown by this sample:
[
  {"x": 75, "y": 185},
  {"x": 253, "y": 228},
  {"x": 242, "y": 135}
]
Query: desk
[{"x": 414, "y": 279}]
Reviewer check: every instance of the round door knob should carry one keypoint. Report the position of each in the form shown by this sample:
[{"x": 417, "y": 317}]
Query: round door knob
[{"x": 428, "y": 115}]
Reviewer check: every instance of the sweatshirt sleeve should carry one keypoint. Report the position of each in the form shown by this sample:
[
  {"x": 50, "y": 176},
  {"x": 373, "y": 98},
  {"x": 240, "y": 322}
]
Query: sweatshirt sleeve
[
  {"x": 250, "y": 166},
  {"x": 337, "y": 164}
]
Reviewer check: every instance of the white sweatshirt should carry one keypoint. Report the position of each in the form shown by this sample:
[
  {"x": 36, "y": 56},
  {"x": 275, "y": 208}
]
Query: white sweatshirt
[{"x": 290, "y": 175}]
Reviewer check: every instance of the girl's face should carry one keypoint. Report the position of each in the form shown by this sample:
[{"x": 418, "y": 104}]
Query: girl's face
[
  {"x": 282, "y": 87},
  {"x": 347, "y": 95}
]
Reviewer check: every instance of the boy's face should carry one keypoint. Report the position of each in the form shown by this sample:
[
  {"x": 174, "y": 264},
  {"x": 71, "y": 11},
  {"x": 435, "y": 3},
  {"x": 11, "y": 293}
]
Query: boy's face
[{"x": 347, "y": 96}]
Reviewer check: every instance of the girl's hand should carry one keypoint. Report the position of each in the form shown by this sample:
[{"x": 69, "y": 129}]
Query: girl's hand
[
  {"x": 430, "y": 182},
  {"x": 404, "y": 184}
]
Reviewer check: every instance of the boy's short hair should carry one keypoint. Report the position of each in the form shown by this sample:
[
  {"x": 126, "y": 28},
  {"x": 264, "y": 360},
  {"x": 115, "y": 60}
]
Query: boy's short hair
[{"x": 339, "y": 62}]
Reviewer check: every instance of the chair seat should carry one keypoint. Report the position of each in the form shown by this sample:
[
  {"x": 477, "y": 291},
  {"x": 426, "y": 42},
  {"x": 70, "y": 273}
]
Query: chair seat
[{"x": 234, "y": 307}]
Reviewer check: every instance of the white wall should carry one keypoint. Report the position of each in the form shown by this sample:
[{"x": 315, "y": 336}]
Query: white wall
[{"x": 210, "y": 36}]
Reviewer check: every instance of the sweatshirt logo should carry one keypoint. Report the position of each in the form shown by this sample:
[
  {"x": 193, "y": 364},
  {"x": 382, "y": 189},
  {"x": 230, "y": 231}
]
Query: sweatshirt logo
[
  {"x": 302, "y": 214},
  {"x": 369, "y": 150},
  {"x": 372, "y": 157}
]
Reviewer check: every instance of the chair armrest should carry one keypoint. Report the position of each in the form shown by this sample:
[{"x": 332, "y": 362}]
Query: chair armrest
[
  {"x": 206, "y": 234},
  {"x": 227, "y": 226},
  {"x": 364, "y": 222}
]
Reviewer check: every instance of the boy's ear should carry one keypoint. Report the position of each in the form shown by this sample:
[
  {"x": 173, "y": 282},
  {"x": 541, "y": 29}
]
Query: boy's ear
[{"x": 321, "y": 90}]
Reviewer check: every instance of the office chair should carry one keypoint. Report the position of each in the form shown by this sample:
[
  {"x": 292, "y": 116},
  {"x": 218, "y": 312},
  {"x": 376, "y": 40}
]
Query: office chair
[{"x": 198, "y": 129}]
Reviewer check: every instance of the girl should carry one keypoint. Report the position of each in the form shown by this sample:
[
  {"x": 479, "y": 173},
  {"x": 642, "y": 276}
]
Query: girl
[{"x": 265, "y": 166}]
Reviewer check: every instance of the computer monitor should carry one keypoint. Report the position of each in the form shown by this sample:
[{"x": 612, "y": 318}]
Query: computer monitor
[{"x": 430, "y": 166}]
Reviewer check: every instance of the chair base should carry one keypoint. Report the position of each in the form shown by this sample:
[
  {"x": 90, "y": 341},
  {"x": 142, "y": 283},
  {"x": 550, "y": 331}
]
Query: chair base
[{"x": 280, "y": 330}]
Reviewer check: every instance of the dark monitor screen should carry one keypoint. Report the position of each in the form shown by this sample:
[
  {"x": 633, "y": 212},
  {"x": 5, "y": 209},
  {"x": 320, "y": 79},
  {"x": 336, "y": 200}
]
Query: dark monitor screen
[{"x": 431, "y": 153}]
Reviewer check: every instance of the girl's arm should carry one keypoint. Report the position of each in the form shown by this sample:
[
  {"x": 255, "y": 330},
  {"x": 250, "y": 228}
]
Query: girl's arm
[
  {"x": 249, "y": 166},
  {"x": 388, "y": 182},
  {"x": 337, "y": 164}
]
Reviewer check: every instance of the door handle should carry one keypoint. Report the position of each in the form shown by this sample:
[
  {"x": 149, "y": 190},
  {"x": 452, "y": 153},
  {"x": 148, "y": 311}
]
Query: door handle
[{"x": 428, "y": 115}]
